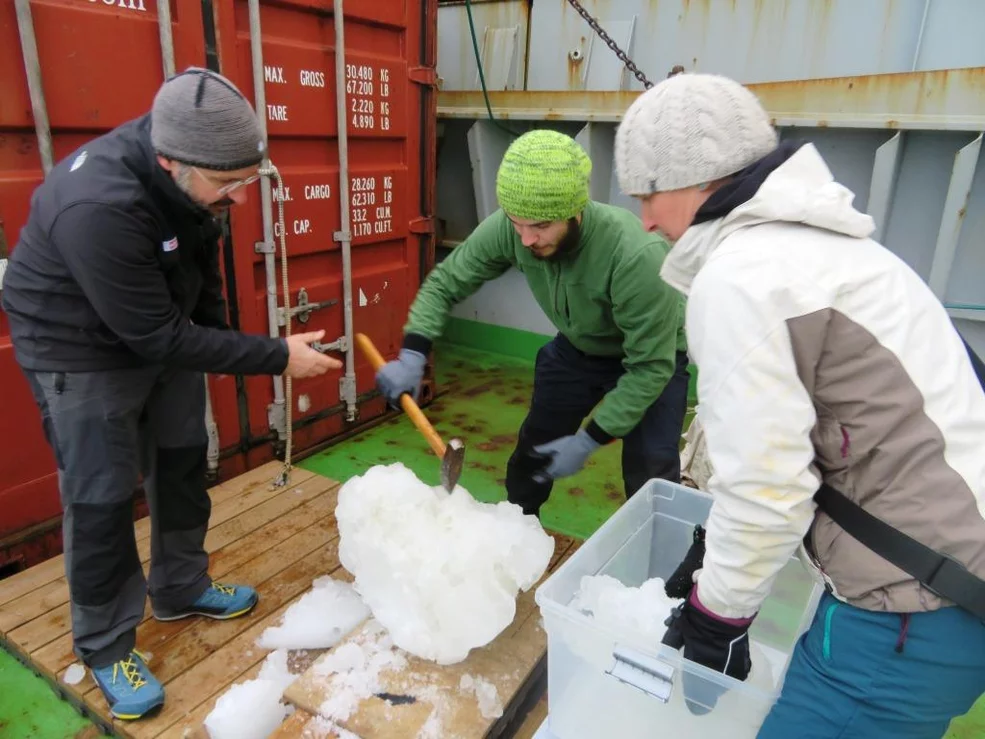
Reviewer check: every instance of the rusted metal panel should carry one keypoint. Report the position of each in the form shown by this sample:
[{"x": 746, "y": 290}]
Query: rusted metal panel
[
  {"x": 101, "y": 65},
  {"x": 502, "y": 31},
  {"x": 952, "y": 100},
  {"x": 90, "y": 53},
  {"x": 756, "y": 41},
  {"x": 386, "y": 87}
]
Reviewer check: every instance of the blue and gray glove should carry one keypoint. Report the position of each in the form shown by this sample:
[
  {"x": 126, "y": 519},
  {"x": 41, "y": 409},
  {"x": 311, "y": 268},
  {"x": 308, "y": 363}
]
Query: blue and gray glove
[
  {"x": 403, "y": 375},
  {"x": 565, "y": 456}
]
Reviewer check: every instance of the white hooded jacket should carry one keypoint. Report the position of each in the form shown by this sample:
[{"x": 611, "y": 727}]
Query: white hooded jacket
[{"x": 823, "y": 356}]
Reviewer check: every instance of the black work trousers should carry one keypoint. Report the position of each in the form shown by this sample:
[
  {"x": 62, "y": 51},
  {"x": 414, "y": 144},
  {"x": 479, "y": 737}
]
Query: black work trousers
[
  {"x": 568, "y": 384},
  {"x": 106, "y": 429}
]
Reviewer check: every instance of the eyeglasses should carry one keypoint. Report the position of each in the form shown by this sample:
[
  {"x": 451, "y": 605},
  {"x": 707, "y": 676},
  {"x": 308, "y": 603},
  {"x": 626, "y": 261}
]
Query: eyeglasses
[{"x": 229, "y": 186}]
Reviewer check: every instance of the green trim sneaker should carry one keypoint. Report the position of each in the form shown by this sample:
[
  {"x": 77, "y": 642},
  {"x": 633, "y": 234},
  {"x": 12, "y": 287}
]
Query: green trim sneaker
[
  {"x": 130, "y": 689},
  {"x": 218, "y": 601}
]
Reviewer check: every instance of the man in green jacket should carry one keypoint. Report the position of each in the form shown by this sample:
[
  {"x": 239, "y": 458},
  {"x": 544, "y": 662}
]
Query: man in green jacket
[{"x": 595, "y": 272}]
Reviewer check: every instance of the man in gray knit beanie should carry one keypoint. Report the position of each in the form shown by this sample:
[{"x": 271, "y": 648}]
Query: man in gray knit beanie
[
  {"x": 201, "y": 124},
  {"x": 200, "y": 118},
  {"x": 116, "y": 307}
]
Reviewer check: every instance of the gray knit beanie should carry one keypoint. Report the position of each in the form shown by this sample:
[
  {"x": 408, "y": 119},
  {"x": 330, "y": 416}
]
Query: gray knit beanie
[
  {"x": 200, "y": 118},
  {"x": 688, "y": 130}
]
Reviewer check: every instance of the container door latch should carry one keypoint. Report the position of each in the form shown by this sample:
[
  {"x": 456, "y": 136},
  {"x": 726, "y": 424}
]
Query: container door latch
[{"x": 640, "y": 671}]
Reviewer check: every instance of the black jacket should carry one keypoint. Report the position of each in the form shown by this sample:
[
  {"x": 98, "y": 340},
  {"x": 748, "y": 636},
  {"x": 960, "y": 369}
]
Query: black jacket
[{"x": 117, "y": 267}]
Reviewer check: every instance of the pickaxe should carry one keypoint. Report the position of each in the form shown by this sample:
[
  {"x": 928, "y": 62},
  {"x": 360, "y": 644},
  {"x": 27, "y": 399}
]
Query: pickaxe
[{"x": 452, "y": 456}]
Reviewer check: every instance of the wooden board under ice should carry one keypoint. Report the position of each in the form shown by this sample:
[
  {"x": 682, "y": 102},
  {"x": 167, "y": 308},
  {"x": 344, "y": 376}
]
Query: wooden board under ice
[
  {"x": 427, "y": 696},
  {"x": 279, "y": 540}
]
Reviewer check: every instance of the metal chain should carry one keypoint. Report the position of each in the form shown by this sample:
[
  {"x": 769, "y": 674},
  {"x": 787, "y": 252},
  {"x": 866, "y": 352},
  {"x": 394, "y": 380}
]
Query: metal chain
[{"x": 611, "y": 44}]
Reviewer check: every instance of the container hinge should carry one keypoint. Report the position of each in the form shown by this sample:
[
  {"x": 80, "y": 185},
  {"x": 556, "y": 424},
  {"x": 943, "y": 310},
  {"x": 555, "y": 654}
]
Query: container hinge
[
  {"x": 642, "y": 672},
  {"x": 423, "y": 76},
  {"x": 347, "y": 387},
  {"x": 421, "y": 225},
  {"x": 265, "y": 247}
]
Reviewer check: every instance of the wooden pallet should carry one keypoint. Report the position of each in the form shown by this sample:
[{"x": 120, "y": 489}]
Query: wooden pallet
[
  {"x": 514, "y": 663},
  {"x": 279, "y": 541}
]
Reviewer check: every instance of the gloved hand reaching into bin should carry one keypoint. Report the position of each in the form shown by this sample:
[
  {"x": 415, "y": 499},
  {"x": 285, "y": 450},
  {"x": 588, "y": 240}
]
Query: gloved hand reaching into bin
[
  {"x": 680, "y": 583},
  {"x": 720, "y": 644}
]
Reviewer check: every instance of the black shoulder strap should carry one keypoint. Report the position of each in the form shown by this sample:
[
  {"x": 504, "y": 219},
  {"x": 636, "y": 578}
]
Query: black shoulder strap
[{"x": 935, "y": 571}]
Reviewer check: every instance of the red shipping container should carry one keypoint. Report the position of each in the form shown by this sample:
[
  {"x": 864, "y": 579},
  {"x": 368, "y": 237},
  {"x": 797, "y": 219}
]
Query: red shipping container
[{"x": 100, "y": 64}]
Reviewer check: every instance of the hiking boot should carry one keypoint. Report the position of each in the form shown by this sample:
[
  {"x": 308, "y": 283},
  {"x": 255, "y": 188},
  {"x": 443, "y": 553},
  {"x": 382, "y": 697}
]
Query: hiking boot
[
  {"x": 218, "y": 601},
  {"x": 130, "y": 688}
]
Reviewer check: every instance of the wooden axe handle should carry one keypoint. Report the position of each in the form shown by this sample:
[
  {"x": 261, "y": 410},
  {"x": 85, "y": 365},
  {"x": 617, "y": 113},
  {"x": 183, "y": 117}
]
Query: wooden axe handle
[{"x": 407, "y": 402}]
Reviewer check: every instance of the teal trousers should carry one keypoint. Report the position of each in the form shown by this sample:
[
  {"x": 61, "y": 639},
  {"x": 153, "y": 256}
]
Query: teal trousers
[{"x": 858, "y": 674}]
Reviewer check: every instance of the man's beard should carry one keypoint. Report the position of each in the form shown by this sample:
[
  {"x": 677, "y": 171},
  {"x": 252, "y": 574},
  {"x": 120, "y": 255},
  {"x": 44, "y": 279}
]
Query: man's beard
[
  {"x": 567, "y": 243},
  {"x": 183, "y": 179}
]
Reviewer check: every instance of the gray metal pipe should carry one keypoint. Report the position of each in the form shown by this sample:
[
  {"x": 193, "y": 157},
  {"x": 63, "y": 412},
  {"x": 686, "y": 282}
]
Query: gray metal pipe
[
  {"x": 167, "y": 39},
  {"x": 347, "y": 385},
  {"x": 212, "y": 431},
  {"x": 923, "y": 27},
  {"x": 32, "y": 66},
  {"x": 266, "y": 200}
]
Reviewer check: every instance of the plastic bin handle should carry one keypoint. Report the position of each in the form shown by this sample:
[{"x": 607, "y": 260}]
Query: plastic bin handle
[{"x": 640, "y": 671}]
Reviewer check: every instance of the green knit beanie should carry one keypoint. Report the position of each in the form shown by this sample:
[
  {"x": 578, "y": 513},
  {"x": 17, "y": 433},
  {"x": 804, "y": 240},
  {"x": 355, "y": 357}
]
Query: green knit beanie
[{"x": 544, "y": 177}]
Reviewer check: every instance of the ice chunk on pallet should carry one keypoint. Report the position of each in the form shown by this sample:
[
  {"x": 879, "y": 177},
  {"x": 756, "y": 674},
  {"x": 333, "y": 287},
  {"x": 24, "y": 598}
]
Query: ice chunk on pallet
[{"x": 440, "y": 571}]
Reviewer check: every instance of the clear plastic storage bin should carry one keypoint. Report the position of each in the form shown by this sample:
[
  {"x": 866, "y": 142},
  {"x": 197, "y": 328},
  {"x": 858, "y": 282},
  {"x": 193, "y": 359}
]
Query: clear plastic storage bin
[{"x": 602, "y": 683}]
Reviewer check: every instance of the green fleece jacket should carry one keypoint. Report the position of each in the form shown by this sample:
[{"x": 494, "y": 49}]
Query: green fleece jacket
[{"x": 606, "y": 296}]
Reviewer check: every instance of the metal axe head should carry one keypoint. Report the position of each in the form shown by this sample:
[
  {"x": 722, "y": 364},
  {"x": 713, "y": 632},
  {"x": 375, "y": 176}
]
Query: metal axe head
[{"x": 451, "y": 464}]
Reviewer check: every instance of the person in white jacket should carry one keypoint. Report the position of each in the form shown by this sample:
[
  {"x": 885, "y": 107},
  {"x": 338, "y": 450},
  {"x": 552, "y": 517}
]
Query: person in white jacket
[{"x": 826, "y": 366}]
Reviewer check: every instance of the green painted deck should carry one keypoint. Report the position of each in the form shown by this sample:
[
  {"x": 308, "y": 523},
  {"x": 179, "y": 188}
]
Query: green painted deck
[
  {"x": 483, "y": 399},
  {"x": 30, "y": 710}
]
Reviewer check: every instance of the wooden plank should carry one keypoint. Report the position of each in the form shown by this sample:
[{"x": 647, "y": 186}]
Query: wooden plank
[
  {"x": 507, "y": 663},
  {"x": 40, "y": 575},
  {"x": 532, "y": 723},
  {"x": 299, "y": 660},
  {"x": 226, "y": 662},
  {"x": 151, "y": 634},
  {"x": 204, "y": 679},
  {"x": 295, "y": 726},
  {"x": 299, "y": 725},
  {"x": 39, "y": 630},
  {"x": 192, "y": 726},
  {"x": 187, "y": 641},
  {"x": 271, "y": 594}
]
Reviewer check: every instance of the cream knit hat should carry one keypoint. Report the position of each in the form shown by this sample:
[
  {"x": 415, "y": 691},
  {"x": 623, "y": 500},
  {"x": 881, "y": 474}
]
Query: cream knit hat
[{"x": 688, "y": 130}]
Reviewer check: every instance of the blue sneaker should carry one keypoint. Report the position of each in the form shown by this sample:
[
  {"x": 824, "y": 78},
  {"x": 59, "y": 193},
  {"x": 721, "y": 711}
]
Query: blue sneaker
[
  {"x": 130, "y": 688},
  {"x": 218, "y": 601}
]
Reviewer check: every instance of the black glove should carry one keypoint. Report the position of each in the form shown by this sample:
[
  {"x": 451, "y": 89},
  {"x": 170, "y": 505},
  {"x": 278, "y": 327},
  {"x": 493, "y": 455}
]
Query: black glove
[
  {"x": 680, "y": 584},
  {"x": 719, "y": 644}
]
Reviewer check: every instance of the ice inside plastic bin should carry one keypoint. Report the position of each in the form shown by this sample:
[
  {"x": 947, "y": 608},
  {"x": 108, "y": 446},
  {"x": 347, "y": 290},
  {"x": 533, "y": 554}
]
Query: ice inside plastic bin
[{"x": 603, "y": 683}]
